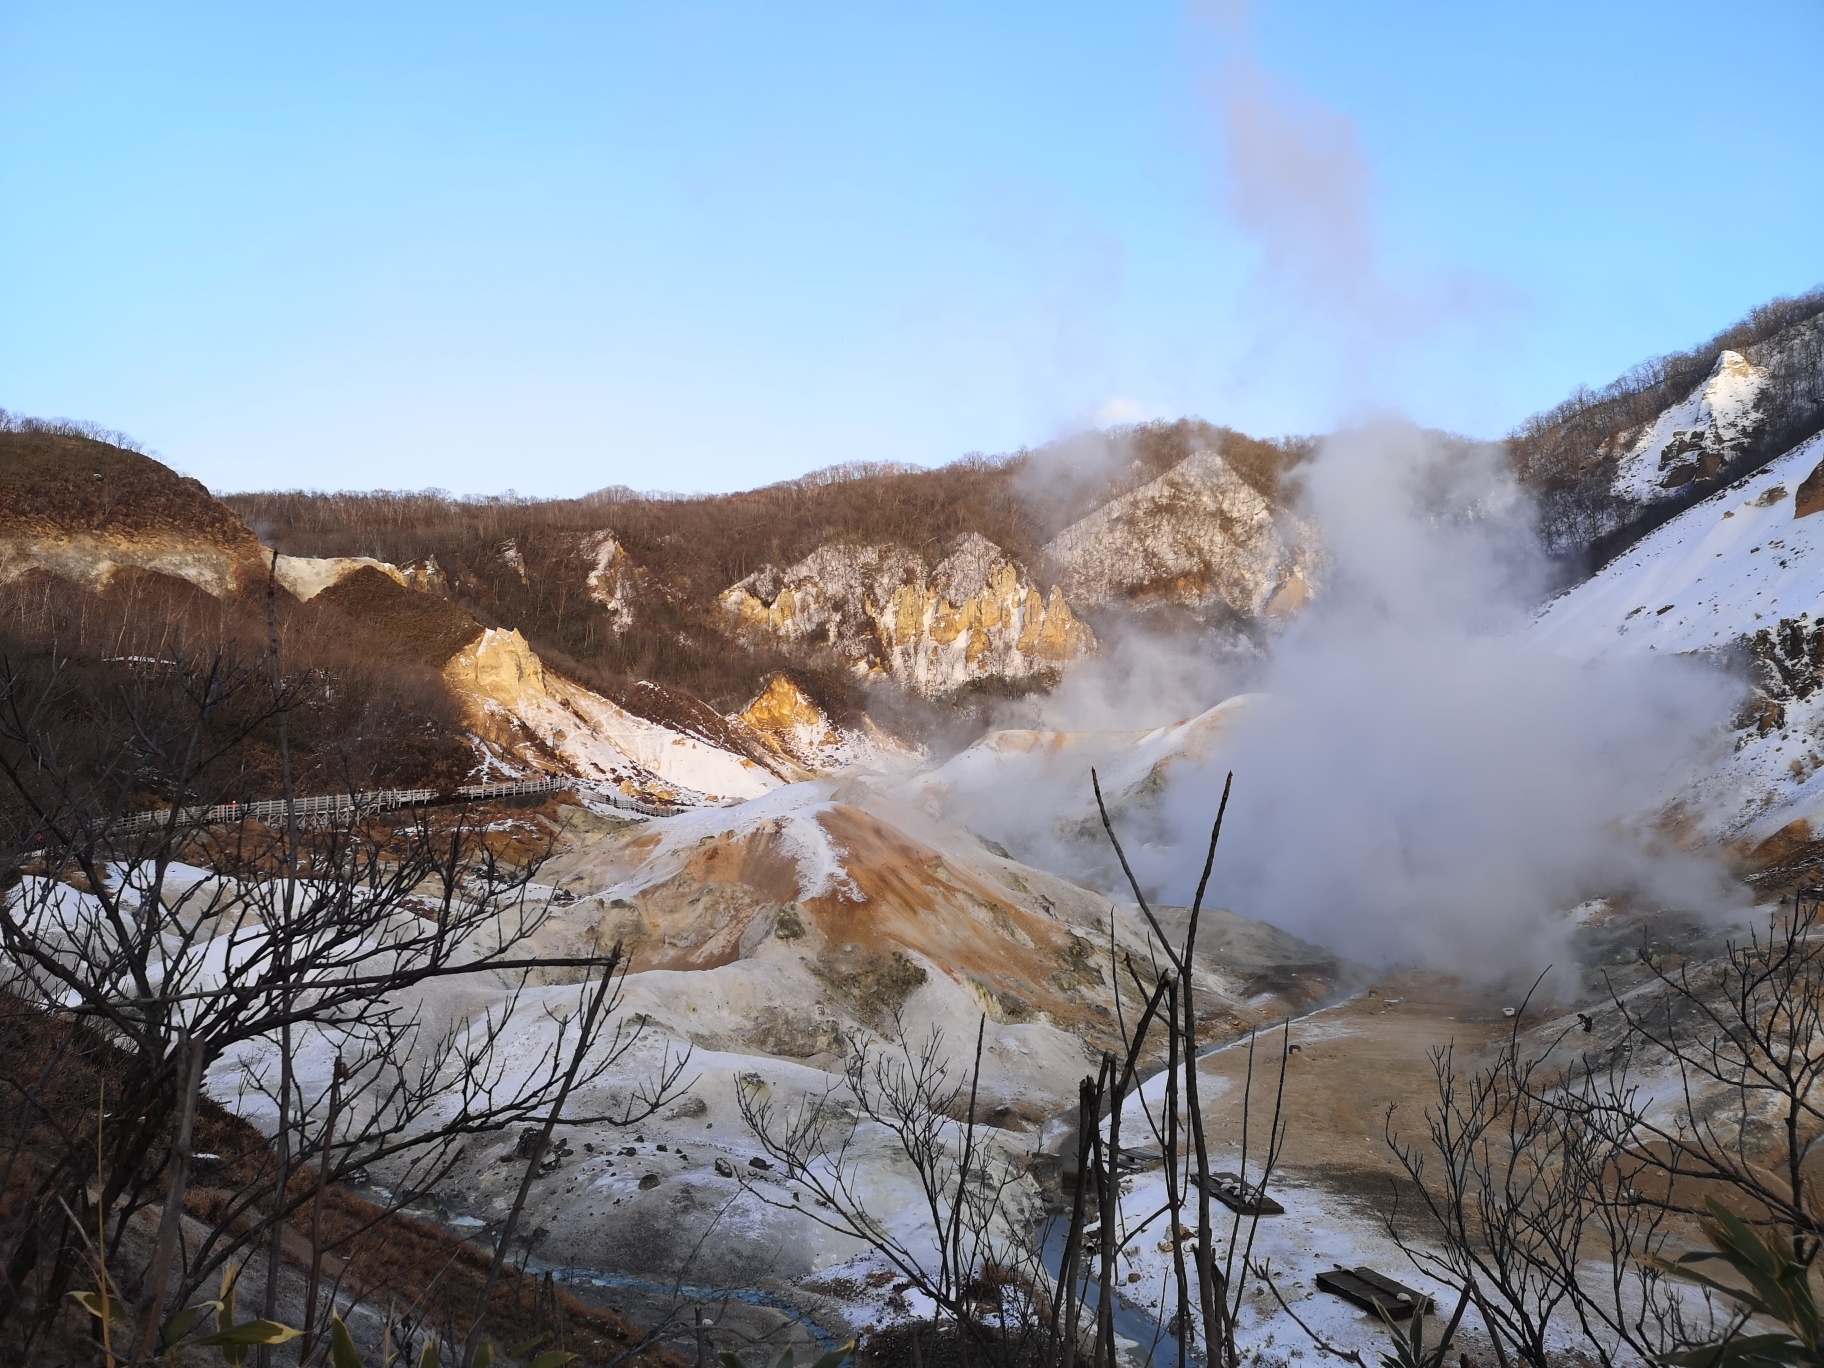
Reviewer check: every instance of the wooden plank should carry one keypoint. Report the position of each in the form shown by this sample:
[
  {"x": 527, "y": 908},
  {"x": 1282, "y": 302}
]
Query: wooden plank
[
  {"x": 1373, "y": 1292},
  {"x": 1238, "y": 1196}
]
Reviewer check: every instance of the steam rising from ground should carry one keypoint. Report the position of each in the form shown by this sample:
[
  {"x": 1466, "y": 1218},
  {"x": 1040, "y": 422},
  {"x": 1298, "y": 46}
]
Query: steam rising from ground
[
  {"x": 1415, "y": 780},
  {"x": 1423, "y": 782}
]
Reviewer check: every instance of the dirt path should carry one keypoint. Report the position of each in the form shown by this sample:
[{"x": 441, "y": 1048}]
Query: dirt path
[{"x": 1349, "y": 1064}]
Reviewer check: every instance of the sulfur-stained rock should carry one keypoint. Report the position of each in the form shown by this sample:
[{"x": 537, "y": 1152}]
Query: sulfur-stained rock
[{"x": 976, "y": 615}]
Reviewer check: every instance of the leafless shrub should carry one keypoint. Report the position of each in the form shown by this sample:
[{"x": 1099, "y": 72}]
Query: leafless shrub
[{"x": 178, "y": 950}]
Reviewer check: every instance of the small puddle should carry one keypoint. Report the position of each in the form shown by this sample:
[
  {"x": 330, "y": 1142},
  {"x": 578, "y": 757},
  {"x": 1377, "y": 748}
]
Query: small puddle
[
  {"x": 1131, "y": 1322},
  {"x": 689, "y": 1292}
]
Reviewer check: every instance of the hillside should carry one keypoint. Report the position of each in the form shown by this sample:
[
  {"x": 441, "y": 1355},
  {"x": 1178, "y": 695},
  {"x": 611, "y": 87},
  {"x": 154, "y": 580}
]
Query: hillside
[
  {"x": 91, "y": 508},
  {"x": 1700, "y": 479},
  {"x": 788, "y": 814},
  {"x": 125, "y": 588},
  {"x": 621, "y": 586},
  {"x": 1609, "y": 465}
]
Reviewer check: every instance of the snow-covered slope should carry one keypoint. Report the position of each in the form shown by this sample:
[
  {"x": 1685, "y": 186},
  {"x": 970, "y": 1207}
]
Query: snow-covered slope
[
  {"x": 1030, "y": 791},
  {"x": 1740, "y": 572},
  {"x": 1127, "y": 761},
  {"x": 1722, "y": 570},
  {"x": 508, "y": 688},
  {"x": 791, "y": 725},
  {"x": 1694, "y": 438}
]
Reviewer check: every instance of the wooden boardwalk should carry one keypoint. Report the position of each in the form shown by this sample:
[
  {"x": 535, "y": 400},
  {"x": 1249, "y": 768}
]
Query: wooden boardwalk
[{"x": 337, "y": 806}]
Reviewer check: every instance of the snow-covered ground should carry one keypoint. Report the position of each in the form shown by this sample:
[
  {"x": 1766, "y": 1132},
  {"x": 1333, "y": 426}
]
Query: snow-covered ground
[
  {"x": 1712, "y": 417},
  {"x": 1736, "y": 564},
  {"x": 498, "y": 673},
  {"x": 1719, "y": 571}
]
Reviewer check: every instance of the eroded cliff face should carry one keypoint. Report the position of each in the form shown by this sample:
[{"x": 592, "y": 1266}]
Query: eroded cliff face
[
  {"x": 976, "y": 615},
  {"x": 93, "y": 559},
  {"x": 519, "y": 706},
  {"x": 1197, "y": 535},
  {"x": 792, "y": 727},
  {"x": 614, "y": 581},
  {"x": 82, "y": 510},
  {"x": 304, "y": 577},
  {"x": 1695, "y": 439}
]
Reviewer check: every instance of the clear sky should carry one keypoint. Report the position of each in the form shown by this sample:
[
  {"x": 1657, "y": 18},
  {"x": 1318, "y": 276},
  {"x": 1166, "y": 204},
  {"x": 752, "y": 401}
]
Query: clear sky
[{"x": 552, "y": 247}]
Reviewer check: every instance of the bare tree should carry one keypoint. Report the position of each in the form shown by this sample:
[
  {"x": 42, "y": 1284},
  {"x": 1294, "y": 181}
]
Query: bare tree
[
  {"x": 1745, "y": 1038},
  {"x": 915, "y": 1098},
  {"x": 180, "y": 949}
]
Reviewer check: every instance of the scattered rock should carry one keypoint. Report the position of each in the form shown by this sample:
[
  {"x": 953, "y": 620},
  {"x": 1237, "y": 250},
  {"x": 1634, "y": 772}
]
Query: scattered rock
[
  {"x": 724, "y": 1169},
  {"x": 1810, "y": 497},
  {"x": 649, "y": 1182},
  {"x": 758, "y": 1163}
]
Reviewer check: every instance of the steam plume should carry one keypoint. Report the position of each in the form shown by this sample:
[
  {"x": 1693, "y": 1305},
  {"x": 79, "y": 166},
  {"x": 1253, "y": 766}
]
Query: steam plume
[{"x": 1420, "y": 781}]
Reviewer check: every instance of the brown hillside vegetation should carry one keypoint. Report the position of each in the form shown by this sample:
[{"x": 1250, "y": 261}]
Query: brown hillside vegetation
[
  {"x": 417, "y": 629},
  {"x": 53, "y": 482},
  {"x": 362, "y": 716},
  {"x": 525, "y": 563}
]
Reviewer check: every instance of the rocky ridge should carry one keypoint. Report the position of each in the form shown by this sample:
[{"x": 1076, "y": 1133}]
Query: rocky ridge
[
  {"x": 536, "y": 715},
  {"x": 975, "y": 615},
  {"x": 1608, "y": 466},
  {"x": 802, "y": 735},
  {"x": 1197, "y": 535}
]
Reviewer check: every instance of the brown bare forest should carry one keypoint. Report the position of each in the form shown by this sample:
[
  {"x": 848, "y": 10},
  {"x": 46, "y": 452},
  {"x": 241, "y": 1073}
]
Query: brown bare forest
[
  {"x": 366, "y": 716},
  {"x": 688, "y": 549}
]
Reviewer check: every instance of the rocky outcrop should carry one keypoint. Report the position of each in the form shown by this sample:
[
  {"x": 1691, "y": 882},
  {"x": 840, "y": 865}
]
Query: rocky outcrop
[
  {"x": 83, "y": 510},
  {"x": 1696, "y": 438},
  {"x": 1786, "y": 661},
  {"x": 790, "y": 724},
  {"x": 614, "y": 581},
  {"x": 1197, "y": 535},
  {"x": 518, "y": 705},
  {"x": 976, "y": 615},
  {"x": 426, "y": 576},
  {"x": 1607, "y": 466},
  {"x": 307, "y": 576},
  {"x": 93, "y": 560},
  {"x": 304, "y": 577}
]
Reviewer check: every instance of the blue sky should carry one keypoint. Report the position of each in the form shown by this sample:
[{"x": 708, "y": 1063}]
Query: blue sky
[{"x": 552, "y": 247}]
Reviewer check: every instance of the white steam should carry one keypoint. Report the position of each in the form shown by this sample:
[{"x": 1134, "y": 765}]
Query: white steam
[
  {"x": 1423, "y": 782},
  {"x": 1416, "y": 780}
]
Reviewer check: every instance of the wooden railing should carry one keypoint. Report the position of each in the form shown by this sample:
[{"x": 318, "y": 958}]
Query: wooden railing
[{"x": 334, "y": 806}]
